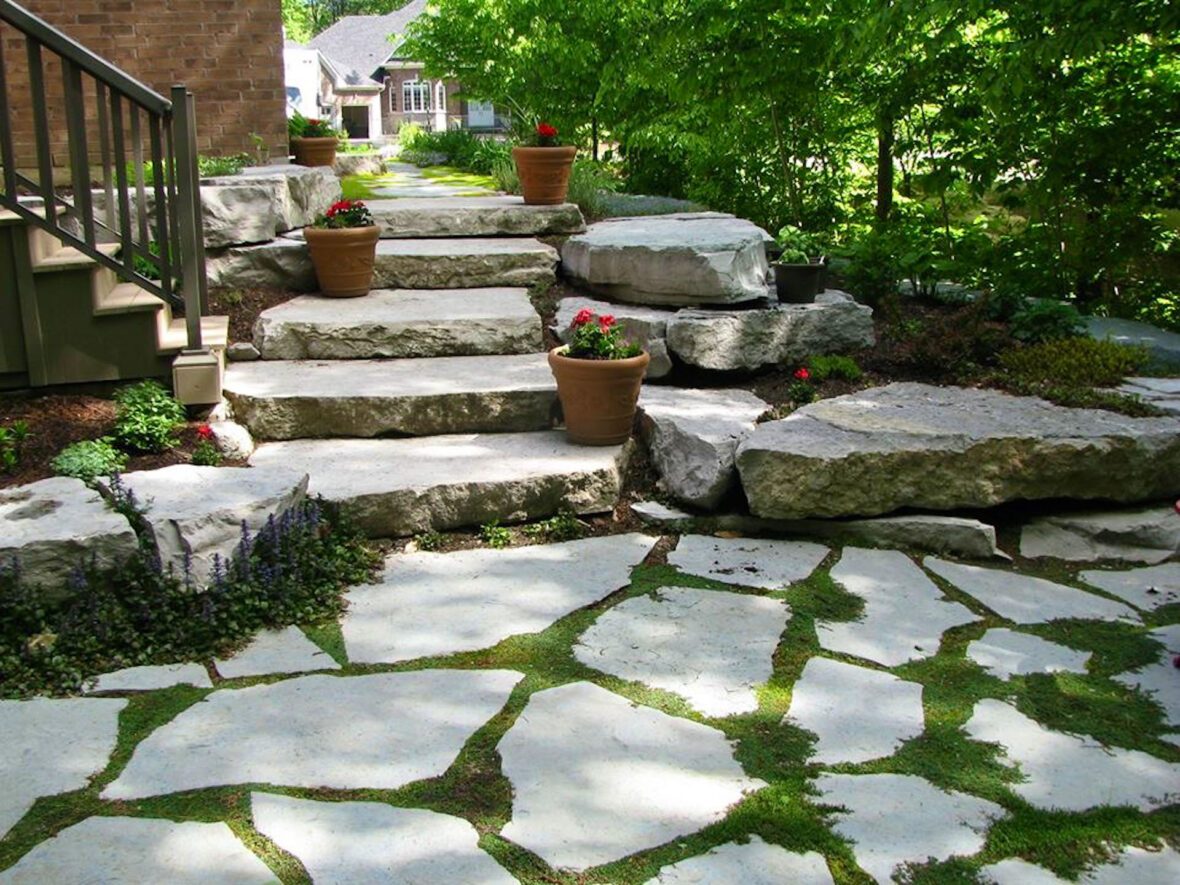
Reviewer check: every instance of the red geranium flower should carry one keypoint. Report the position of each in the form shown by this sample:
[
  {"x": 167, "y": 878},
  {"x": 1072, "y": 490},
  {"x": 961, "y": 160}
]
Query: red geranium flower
[
  {"x": 606, "y": 321},
  {"x": 584, "y": 316},
  {"x": 546, "y": 131},
  {"x": 205, "y": 431},
  {"x": 802, "y": 374}
]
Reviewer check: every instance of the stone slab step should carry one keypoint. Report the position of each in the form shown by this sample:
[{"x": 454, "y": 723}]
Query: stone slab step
[
  {"x": 402, "y": 486},
  {"x": 401, "y": 323},
  {"x": 463, "y": 263},
  {"x": 493, "y": 216},
  {"x": 416, "y": 397}
]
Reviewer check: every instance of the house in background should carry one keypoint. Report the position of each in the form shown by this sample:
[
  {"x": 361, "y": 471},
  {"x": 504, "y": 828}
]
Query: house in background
[{"x": 365, "y": 87}]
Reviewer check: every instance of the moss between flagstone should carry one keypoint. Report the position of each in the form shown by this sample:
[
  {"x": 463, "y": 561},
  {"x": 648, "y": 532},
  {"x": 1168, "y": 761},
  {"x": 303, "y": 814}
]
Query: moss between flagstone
[{"x": 785, "y": 812}]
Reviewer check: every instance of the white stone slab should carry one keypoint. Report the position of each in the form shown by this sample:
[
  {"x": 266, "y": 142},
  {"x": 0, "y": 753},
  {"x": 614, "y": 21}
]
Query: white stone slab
[
  {"x": 112, "y": 850},
  {"x": 905, "y": 613},
  {"x": 50, "y": 747},
  {"x": 276, "y": 651},
  {"x": 747, "y": 561},
  {"x": 596, "y": 777},
  {"x": 1161, "y": 681},
  {"x": 1139, "y": 866},
  {"x": 754, "y": 863},
  {"x": 150, "y": 678},
  {"x": 431, "y": 604},
  {"x": 1148, "y": 535},
  {"x": 370, "y": 843},
  {"x": 463, "y": 262},
  {"x": 893, "y": 819},
  {"x": 1025, "y": 599},
  {"x": 379, "y": 731},
  {"x": 857, "y": 714},
  {"x": 1006, "y": 653},
  {"x": 1163, "y": 393},
  {"x": 1073, "y": 773},
  {"x": 1146, "y": 588},
  {"x": 457, "y": 216},
  {"x": 1015, "y": 871},
  {"x": 52, "y": 525},
  {"x": 709, "y": 646},
  {"x": 195, "y": 514}
]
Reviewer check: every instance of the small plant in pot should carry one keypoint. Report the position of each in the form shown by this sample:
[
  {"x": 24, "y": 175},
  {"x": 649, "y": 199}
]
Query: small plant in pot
[
  {"x": 343, "y": 246},
  {"x": 799, "y": 270},
  {"x": 598, "y": 378},
  {"x": 313, "y": 142},
  {"x": 543, "y": 166}
]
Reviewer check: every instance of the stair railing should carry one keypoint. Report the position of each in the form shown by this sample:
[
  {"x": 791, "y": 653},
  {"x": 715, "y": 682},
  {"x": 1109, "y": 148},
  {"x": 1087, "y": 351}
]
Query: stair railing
[{"x": 150, "y": 205}]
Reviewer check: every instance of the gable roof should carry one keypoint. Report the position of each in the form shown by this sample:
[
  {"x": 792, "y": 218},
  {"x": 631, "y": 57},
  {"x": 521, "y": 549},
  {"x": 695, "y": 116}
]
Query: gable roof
[{"x": 359, "y": 45}]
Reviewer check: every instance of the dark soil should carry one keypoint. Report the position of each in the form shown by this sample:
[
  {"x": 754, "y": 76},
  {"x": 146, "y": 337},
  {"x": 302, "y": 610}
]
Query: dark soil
[{"x": 243, "y": 306}]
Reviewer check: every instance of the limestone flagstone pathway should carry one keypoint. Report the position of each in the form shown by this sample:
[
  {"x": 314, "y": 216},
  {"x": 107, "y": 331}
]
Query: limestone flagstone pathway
[
  {"x": 1148, "y": 588},
  {"x": 406, "y": 764}
]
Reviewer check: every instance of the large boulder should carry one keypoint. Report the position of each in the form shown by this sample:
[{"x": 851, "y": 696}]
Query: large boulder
[
  {"x": 232, "y": 214},
  {"x": 283, "y": 263},
  {"x": 491, "y": 216},
  {"x": 670, "y": 260},
  {"x": 49, "y": 528},
  {"x": 299, "y": 193},
  {"x": 1163, "y": 347},
  {"x": 692, "y": 436},
  {"x": 358, "y": 164},
  {"x": 943, "y": 448},
  {"x": 729, "y": 340}
]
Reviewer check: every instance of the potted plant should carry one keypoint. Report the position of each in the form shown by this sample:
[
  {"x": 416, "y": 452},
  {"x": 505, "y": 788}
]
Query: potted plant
[
  {"x": 799, "y": 270},
  {"x": 543, "y": 167},
  {"x": 313, "y": 142},
  {"x": 343, "y": 246},
  {"x": 598, "y": 378}
]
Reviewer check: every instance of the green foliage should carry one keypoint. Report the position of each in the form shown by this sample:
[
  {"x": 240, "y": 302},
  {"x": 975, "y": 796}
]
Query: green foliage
[
  {"x": 207, "y": 167},
  {"x": 1073, "y": 362},
  {"x": 145, "y": 417},
  {"x": 495, "y": 535},
  {"x": 293, "y": 570},
  {"x": 89, "y": 459},
  {"x": 1040, "y": 320},
  {"x": 430, "y": 540},
  {"x": 797, "y": 245},
  {"x": 599, "y": 338},
  {"x": 801, "y": 393},
  {"x": 955, "y": 346},
  {"x": 834, "y": 366},
  {"x": 345, "y": 214},
  {"x": 206, "y": 454},
  {"x": 565, "y": 526},
  {"x": 590, "y": 184},
  {"x": 12, "y": 441}
]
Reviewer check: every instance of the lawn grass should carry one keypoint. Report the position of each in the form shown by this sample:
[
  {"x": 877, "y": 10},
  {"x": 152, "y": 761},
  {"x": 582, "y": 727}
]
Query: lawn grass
[{"x": 787, "y": 811}]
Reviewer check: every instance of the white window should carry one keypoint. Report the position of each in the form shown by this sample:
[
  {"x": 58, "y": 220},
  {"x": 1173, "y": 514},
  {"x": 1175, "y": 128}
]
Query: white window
[
  {"x": 415, "y": 96},
  {"x": 440, "y": 96}
]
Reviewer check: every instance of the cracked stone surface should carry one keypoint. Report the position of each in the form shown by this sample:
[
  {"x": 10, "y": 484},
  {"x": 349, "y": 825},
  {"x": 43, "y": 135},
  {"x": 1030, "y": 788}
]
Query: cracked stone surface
[
  {"x": 1133, "y": 864},
  {"x": 52, "y": 746},
  {"x": 371, "y": 843},
  {"x": 1025, "y": 599},
  {"x": 858, "y": 714},
  {"x": 596, "y": 778},
  {"x": 747, "y": 561},
  {"x": 378, "y": 732},
  {"x": 150, "y": 678},
  {"x": 431, "y": 604},
  {"x": 1006, "y": 653},
  {"x": 1150, "y": 535},
  {"x": 276, "y": 651},
  {"x": 1147, "y": 588},
  {"x": 905, "y": 613},
  {"x": 709, "y": 646},
  {"x": 900, "y": 818},
  {"x": 1050, "y": 762},
  {"x": 754, "y": 863},
  {"x": 102, "y": 850}
]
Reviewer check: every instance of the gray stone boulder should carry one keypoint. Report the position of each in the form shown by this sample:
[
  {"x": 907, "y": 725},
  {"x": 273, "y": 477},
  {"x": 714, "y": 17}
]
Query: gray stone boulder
[
  {"x": 647, "y": 325},
  {"x": 692, "y": 436},
  {"x": 283, "y": 263},
  {"x": 197, "y": 513},
  {"x": 358, "y": 164},
  {"x": 492, "y": 216},
  {"x": 1163, "y": 393},
  {"x": 1164, "y": 347},
  {"x": 1150, "y": 534},
  {"x": 727, "y": 340},
  {"x": 299, "y": 193},
  {"x": 944, "y": 448},
  {"x": 232, "y": 214},
  {"x": 50, "y": 527},
  {"x": 668, "y": 260}
]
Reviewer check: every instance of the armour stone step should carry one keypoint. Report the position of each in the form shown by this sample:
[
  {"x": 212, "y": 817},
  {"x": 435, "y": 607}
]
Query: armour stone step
[
  {"x": 416, "y": 397},
  {"x": 401, "y": 486},
  {"x": 496, "y": 216},
  {"x": 400, "y": 323}
]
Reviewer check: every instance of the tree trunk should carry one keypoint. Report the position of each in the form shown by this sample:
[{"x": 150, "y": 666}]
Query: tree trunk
[
  {"x": 594, "y": 136},
  {"x": 884, "y": 166}
]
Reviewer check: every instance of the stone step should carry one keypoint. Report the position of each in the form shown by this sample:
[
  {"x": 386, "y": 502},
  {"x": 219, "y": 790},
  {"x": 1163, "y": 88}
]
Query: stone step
[
  {"x": 401, "y": 323},
  {"x": 415, "y": 397},
  {"x": 494, "y": 216},
  {"x": 402, "y": 486}
]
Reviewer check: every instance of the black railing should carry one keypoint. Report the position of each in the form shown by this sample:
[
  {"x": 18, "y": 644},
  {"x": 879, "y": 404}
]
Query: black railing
[{"x": 150, "y": 205}]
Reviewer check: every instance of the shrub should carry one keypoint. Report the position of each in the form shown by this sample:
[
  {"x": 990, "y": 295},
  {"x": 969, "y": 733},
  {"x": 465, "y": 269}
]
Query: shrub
[
  {"x": 834, "y": 366},
  {"x": 12, "y": 441},
  {"x": 89, "y": 459},
  {"x": 146, "y": 417},
  {"x": 504, "y": 174},
  {"x": 495, "y": 535},
  {"x": 1038, "y": 320},
  {"x": 590, "y": 183},
  {"x": 1072, "y": 362}
]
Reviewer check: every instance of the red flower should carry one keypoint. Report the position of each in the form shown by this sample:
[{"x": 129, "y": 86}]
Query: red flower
[
  {"x": 584, "y": 316},
  {"x": 205, "y": 431},
  {"x": 606, "y": 321},
  {"x": 546, "y": 131},
  {"x": 802, "y": 374}
]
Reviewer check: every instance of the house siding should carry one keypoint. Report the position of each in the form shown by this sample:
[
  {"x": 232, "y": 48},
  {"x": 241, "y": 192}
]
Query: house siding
[
  {"x": 394, "y": 115},
  {"x": 229, "y": 53}
]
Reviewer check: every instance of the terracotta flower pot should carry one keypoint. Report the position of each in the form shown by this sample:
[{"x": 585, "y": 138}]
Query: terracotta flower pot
[
  {"x": 314, "y": 151},
  {"x": 343, "y": 258},
  {"x": 598, "y": 396},
  {"x": 544, "y": 173}
]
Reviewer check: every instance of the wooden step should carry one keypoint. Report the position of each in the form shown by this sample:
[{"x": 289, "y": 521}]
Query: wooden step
[{"x": 69, "y": 258}]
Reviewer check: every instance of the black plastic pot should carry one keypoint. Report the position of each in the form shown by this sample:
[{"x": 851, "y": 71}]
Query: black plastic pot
[{"x": 799, "y": 283}]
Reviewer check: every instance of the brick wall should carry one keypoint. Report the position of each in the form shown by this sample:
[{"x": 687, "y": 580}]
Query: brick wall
[
  {"x": 229, "y": 53},
  {"x": 393, "y": 114}
]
